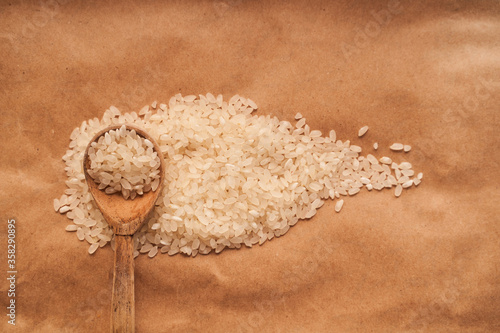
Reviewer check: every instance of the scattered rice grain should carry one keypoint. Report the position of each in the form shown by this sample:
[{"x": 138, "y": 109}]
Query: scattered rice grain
[
  {"x": 396, "y": 146},
  {"x": 362, "y": 131},
  {"x": 338, "y": 205}
]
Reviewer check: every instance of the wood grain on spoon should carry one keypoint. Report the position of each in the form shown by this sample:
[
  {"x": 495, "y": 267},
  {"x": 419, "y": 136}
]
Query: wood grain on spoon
[{"x": 125, "y": 218}]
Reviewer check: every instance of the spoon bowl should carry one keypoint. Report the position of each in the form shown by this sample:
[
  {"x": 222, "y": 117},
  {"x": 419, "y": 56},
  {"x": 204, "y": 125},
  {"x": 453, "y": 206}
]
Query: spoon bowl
[{"x": 125, "y": 218}]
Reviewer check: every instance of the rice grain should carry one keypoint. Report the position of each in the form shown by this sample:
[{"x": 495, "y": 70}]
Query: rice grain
[
  {"x": 396, "y": 146},
  {"x": 338, "y": 205},
  {"x": 362, "y": 131}
]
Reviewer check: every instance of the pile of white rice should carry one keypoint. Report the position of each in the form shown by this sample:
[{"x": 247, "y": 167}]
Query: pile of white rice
[
  {"x": 123, "y": 161},
  {"x": 231, "y": 178}
]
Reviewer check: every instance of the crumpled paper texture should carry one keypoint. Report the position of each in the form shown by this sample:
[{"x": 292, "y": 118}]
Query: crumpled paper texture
[{"x": 423, "y": 73}]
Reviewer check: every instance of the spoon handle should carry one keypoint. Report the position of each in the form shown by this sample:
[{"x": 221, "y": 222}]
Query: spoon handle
[{"x": 123, "y": 303}]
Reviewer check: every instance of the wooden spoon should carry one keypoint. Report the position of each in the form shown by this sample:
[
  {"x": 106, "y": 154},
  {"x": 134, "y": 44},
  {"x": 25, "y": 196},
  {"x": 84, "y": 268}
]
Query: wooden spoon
[{"x": 125, "y": 217}]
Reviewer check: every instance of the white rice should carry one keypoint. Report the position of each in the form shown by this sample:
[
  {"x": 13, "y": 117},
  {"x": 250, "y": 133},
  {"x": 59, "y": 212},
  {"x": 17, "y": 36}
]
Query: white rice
[
  {"x": 338, "y": 205},
  {"x": 397, "y": 146},
  {"x": 123, "y": 161},
  {"x": 362, "y": 131},
  {"x": 398, "y": 190},
  {"x": 386, "y": 160},
  {"x": 232, "y": 179}
]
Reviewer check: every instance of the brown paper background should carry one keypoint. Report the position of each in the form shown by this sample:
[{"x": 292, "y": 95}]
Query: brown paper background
[{"x": 427, "y": 76}]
